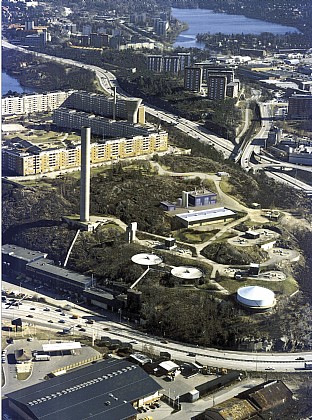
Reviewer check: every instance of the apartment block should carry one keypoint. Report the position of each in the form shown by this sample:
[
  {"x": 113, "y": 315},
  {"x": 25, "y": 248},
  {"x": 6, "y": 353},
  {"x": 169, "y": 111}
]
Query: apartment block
[
  {"x": 100, "y": 126},
  {"x": 129, "y": 109},
  {"x": 193, "y": 78},
  {"x": 216, "y": 87},
  {"x": 171, "y": 64},
  {"x": 15, "y": 160},
  {"x": 27, "y": 104},
  {"x": 168, "y": 63}
]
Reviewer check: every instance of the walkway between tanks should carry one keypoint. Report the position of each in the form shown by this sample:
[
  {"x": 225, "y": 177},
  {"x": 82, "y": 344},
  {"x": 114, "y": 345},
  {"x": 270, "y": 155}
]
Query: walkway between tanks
[{"x": 227, "y": 201}]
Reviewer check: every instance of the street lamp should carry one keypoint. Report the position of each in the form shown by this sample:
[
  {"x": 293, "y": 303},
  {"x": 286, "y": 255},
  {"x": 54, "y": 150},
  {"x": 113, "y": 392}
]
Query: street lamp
[{"x": 120, "y": 312}]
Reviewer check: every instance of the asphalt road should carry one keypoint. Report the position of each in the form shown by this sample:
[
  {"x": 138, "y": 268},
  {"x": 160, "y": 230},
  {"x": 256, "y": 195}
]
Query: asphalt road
[{"x": 281, "y": 362}]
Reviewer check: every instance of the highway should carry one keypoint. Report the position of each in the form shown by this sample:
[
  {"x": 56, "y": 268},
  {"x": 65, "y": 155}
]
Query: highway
[
  {"x": 41, "y": 314},
  {"x": 108, "y": 82},
  {"x": 253, "y": 147}
]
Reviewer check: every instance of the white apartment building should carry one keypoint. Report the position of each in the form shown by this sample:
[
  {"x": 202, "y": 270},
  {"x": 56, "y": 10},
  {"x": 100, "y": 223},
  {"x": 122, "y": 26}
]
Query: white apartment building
[{"x": 38, "y": 102}]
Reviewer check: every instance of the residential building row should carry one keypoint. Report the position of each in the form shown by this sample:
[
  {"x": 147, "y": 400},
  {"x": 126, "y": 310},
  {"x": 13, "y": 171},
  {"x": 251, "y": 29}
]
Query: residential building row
[
  {"x": 31, "y": 103},
  {"x": 22, "y": 161},
  {"x": 130, "y": 109},
  {"x": 217, "y": 82},
  {"x": 100, "y": 126},
  {"x": 168, "y": 63}
]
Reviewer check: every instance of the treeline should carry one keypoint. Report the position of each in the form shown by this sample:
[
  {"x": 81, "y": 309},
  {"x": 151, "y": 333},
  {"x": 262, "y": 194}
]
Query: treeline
[
  {"x": 42, "y": 75},
  {"x": 232, "y": 44}
]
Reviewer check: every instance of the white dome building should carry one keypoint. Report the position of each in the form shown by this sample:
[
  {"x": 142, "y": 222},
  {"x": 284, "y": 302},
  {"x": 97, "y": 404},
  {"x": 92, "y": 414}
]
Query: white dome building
[{"x": 256, "y": 297}]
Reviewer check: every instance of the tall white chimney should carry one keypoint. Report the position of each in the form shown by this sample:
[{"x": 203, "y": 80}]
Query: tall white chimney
[{"x": 85, "y": 174}]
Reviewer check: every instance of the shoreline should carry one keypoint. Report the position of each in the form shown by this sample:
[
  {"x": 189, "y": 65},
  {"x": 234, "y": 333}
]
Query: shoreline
[{"x": 248, "y": 16}]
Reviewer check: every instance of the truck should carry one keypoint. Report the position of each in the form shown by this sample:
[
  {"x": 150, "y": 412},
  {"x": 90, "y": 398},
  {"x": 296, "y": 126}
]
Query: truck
[
  {"x": 42, "y": 357},
  {"x": 308, "y": 365}
]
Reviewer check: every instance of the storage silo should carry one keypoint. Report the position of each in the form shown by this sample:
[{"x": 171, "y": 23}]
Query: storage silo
[{"x": 256, "y": 297}]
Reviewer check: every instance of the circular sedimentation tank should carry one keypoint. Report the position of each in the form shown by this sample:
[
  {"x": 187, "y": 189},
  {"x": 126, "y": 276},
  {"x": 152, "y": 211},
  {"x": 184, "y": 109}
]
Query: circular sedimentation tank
[
  {"x": 187, "y": 272},
  {"x": 146, "y": 259},
  {"x": 256, "y": 297}
]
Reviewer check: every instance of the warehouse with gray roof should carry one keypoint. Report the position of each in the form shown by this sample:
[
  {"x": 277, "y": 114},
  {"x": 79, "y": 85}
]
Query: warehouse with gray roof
[{"x": 110, "y": 389}]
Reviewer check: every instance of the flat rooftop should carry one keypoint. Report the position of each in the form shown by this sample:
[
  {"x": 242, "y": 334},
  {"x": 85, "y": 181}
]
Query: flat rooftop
[
  {"x": 60, "y": 272},
  {"x": 22, "y": 253},
  {"x": 208, "y": 214},
  {"x": 104, "y": 390},
  {"x": 67, "y": 345}
]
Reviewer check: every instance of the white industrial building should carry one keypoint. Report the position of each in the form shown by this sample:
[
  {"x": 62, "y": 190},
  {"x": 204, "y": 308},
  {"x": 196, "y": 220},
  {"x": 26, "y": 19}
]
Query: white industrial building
[{"x": 256, "y": 297}]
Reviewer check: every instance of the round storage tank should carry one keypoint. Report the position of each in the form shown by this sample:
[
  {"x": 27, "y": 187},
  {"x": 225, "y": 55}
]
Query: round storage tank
[{"x": 256, "y": 297}]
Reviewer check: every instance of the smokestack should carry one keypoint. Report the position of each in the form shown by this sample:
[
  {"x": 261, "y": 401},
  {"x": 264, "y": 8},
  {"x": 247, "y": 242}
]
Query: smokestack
[
  {"x": 85, "y": 174},
  {"x": 115, "y": 103}
]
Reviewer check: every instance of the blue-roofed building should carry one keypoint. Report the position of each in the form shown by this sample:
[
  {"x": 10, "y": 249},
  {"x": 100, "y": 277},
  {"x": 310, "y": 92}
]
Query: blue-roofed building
[
  {"x": 204, "y": 198},
  {"x": 111, "y": 389}
]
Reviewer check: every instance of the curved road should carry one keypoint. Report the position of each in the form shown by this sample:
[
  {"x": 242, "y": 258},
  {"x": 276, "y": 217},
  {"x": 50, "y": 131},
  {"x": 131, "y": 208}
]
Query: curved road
[
  {"x": 108, "y": 82},
  {"x": 281, "y": 362}
]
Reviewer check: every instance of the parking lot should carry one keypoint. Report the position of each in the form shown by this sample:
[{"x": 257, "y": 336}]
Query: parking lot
[{"x": 40, "y": 368}]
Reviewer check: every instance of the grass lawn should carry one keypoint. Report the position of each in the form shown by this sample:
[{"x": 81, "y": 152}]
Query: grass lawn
[
  {"x": 286, "y": 287},
  {"x": 195, "y": 237}
]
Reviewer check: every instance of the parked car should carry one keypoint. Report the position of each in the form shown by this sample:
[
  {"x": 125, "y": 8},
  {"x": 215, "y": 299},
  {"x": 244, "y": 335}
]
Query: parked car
[
  {"x": 82, "y": 329},
  {"x": 300, "y": 358},
  {"x": 62, "y": 321},
  {"x": 50, "y": 320},
  {"x": 29, "y": 316},
  {"x": 46, "y": 309},
  {"x": 58, "y": 310}
]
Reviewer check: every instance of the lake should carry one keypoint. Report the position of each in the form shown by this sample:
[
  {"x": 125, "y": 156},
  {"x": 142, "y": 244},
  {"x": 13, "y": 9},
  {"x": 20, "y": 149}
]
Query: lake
[
  {"x": 204, "y": 21},
  {"x": 10, "y": 83}
]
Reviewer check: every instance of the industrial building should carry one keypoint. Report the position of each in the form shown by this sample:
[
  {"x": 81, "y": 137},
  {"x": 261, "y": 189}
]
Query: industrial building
[
  {"x": 300, "y": 107},
  {"x": 42, "y": 272},
  {"x": 32, "y": 103},
  {"x": 301, "y": 155},
  {"x": 251, "y": 403},
  {"x": 57, "y": 278},
  {"x": 256, "y": 297},
  {"x": 167, "y": 206},
  {"x": 199, "y": 218},
  {"x": 201, "y": 198},
  {"x": 15, "y": 258},
  {"x": 111, "y": 389}
]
